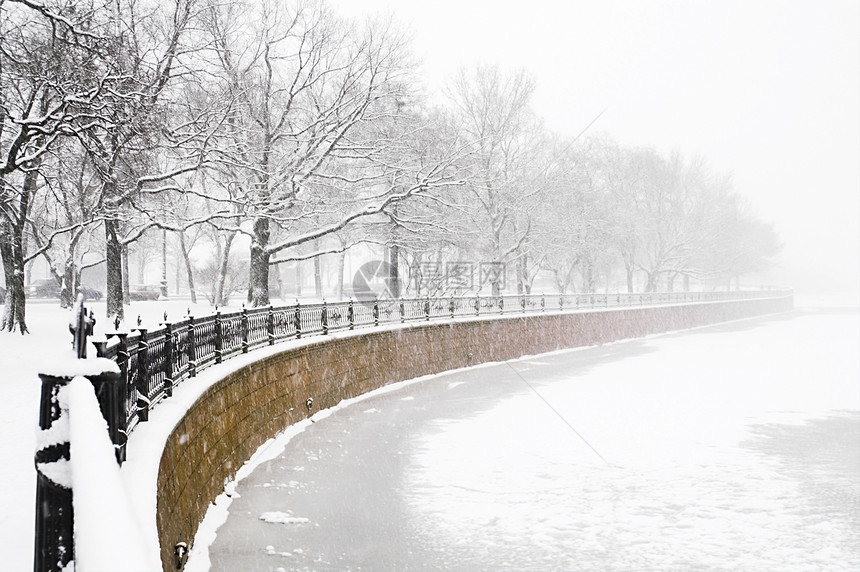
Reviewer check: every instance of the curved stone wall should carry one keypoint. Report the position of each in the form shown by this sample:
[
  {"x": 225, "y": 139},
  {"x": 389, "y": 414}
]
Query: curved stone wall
[{"x": 249, "y": 406}]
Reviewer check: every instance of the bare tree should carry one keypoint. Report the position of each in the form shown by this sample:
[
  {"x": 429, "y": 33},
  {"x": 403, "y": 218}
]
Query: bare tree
[
  {"x": 504, "y": 177},
  {"x": 63, "y": 222},
  {"x": 43, "y": 83},
  {"x": 307, "y": 93}
]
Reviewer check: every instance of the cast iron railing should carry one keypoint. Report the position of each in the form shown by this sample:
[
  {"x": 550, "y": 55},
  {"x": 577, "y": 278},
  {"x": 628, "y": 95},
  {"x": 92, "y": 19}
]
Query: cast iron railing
[
  {"x": 153, "y": 362},
  {"x": 143, "y": 366}
]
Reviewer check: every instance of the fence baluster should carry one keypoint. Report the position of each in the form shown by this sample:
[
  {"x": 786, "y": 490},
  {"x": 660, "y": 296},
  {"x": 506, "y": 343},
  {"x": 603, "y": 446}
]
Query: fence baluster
[
  {"x": 245, "y": 328},
  {"x": 169, "y": 348},
  {"x": 324, "y": 318},
  {"x": 219, "y": 337},
  {"x": 192, "y": 348},
  {"x": 143, "y": 399}
]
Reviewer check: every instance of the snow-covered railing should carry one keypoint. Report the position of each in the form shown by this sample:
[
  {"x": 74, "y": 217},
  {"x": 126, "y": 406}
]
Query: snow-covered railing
[
  {"x": 135, "y": 370},
  {"x": 153, "y": 362},
  {"x": 81, "y": 507}
]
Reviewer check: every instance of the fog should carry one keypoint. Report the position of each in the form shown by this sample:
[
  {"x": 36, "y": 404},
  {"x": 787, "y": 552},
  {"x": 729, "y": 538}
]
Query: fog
[{"x": 765, "y": 90}]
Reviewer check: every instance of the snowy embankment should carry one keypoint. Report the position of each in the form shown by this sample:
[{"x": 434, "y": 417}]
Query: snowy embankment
[
  {"x": 729, "y": 447},
  {"x": 22, "y": 358}
]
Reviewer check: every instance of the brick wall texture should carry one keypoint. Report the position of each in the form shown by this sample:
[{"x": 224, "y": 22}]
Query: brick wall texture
[{"x": 246, "y": 408}]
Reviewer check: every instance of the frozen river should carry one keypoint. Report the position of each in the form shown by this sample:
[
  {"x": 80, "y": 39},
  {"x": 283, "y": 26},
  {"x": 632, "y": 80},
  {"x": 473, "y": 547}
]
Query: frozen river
[{"x": 735, "y": 447}]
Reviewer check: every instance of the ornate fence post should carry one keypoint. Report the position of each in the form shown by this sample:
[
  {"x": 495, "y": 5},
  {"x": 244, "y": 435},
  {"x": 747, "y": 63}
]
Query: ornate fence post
[
  {"x": 427, "y": 309},
  {"x": 477, "y": 305},
  {"x": 122, "y": 358},
  {"x": 55, "y": 546},
  {"x": 169, "y": 350},
  {"x": 54, "y": 526},
  {"x": 219, "y": 337},
  {"x": 501, "y": 305},
  {"x": 451, "y": 306},
  {"x": 523, "y": 304},
  {"x": 324, "y": 318},
  {"x": 192, "y": 348},
  {"x": 542, "y": 303},
  {"x": 245, "y": 328},
  {"x": 375, "y": 312},
  {"x": 143, "y": 376},
  {"x": 402, "y": 311},
  {"x": 350, "y": 315},
  {"x": 270, "y": 325},
  {"x": 297, "y": 320},
  {"x": 561, "y": 303}
]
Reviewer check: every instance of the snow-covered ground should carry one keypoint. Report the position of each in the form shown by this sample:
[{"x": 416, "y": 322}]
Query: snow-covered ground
[
  {"x": 734, "y": 447},
  {"x": 801, "y": 380},
  {"x": 21, "y": 360}
]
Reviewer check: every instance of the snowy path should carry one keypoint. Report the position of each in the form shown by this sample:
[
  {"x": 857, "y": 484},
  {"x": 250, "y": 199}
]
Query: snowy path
[{"x": 735, "y": 447}]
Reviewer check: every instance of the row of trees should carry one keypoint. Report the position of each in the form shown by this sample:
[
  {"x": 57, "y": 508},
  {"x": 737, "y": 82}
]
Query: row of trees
[{"x": 306, "y": 134}]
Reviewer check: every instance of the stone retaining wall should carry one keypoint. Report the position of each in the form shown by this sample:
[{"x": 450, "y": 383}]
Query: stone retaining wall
[{"x": 249, "y": 406}]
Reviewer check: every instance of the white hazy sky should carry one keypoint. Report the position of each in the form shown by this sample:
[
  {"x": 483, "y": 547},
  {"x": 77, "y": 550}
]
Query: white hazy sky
[{"x": 768, "y": 90}]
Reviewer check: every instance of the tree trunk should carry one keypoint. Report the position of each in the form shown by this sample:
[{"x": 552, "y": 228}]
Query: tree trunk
[
  {"x": 520, "y": 271},
  {"x": 221, "y": 297},
  {"x": 13, "y": 270},
  {"x": 279, "y": 281},
  {"x": 141, "y": 264},
  {"x": 126, "y": 289},
  {"x": 12, "y": 248},
  {"x": 188, "y": 269},
  {"x": 114, "y": 270},
  {"x": 527, "y": 283},
  {"x": 317, "y": 272},
  {"x": 71, "y": 278},
  {"x": 628, "y": 268},
  {"x": 69, "y": 286},
  {"x": 394, "y": 267},
  {"x": 258, "y": 286},
  {"x": 651, "y": 285},
  {"x": 588, "y": 277},
  {"x": 164, "y": 263},
  {"x": 341, "y": 265}
]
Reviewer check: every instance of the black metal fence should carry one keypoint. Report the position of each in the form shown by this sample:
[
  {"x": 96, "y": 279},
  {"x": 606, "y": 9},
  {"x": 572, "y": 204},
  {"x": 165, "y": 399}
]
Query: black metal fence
[{"x": 153, "y": 362}]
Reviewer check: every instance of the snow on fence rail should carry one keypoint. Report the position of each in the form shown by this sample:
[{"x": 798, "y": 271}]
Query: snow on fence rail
[
  {"x": 135, "y": 370},
  {"x": 153, "y": 362}
]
